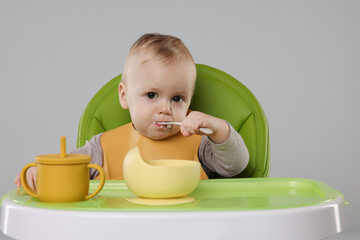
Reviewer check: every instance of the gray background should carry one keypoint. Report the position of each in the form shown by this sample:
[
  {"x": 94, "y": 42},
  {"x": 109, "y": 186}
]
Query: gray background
[{"x": 301, "y": 59}]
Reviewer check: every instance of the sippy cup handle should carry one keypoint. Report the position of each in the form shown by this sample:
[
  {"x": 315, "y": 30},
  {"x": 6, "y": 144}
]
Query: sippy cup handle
[
  {"x": 24, "y": 180},
  {"x": 102, "y": 179}
]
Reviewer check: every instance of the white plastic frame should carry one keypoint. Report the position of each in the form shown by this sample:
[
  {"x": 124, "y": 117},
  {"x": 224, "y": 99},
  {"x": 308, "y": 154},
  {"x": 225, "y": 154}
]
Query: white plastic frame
[{"x": 311, "y": 222}]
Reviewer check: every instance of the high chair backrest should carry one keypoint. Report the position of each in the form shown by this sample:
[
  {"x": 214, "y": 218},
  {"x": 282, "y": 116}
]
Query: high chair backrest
[{"x": 216, "y": 93}]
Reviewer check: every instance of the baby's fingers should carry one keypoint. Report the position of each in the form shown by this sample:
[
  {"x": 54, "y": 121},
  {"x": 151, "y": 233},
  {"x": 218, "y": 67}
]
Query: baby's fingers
[
  {"x": 32, "y": 184},
  {"x": 17, "y": 181},
  {"x": 188, "y": 130},
  {"x": 185, "y": 132},
  {"x": 31, "y": 178}
]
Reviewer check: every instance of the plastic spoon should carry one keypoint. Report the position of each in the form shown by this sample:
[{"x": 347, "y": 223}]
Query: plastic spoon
[{"x": 168, "y": 124}]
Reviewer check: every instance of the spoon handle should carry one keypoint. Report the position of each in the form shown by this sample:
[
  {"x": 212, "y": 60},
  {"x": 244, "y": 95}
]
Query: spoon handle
[{"x": 207, "y": 131}]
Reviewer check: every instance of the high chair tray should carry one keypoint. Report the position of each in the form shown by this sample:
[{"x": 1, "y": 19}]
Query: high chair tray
[{"x": 257, "y": 208}]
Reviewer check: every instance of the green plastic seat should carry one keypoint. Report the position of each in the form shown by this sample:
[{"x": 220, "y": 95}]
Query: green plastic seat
[{"x": 216, "y": 93}]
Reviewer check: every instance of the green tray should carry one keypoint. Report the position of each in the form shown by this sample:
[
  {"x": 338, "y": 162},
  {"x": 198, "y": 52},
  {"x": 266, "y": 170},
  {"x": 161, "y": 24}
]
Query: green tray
[{"x": 210, "y": 195}]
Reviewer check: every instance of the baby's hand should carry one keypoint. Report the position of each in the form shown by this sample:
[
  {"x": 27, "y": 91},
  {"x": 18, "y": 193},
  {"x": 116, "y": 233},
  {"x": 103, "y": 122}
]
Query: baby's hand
[
  {"x": 30, "y": 176},
  {"x": 196, "y": 120}
]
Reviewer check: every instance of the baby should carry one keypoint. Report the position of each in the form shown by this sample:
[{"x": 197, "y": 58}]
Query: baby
[{"x": 157, "y": 85}]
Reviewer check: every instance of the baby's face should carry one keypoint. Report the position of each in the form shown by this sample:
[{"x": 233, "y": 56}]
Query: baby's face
[{"x": 155, "y": 91}]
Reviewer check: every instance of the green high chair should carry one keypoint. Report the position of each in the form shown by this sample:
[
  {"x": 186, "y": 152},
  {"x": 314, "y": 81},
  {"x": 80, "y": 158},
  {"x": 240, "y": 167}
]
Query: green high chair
[
  {"x": 283, "y": 208},
  {"x": 216, "y": 93}
]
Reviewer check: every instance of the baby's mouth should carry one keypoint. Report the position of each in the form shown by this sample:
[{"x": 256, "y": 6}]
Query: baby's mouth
[{"x": 162, "y": 125}]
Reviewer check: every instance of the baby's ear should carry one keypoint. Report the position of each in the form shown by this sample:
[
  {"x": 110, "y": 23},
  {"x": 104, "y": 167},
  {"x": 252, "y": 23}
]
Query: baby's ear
[{"x": 122, "y": 96}]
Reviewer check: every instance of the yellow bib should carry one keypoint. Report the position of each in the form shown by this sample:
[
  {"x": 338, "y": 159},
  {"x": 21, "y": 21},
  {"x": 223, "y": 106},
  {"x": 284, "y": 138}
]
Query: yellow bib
[{"x": 117, "y": 142}]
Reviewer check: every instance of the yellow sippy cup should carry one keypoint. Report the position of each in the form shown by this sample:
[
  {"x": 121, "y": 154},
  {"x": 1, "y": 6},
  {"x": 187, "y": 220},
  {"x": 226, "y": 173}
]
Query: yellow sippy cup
[{"x": 62, "y": 177}]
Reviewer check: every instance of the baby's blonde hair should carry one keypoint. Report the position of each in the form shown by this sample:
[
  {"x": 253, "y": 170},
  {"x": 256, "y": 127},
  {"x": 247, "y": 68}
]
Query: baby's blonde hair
[{"x": 165, "y": 48}]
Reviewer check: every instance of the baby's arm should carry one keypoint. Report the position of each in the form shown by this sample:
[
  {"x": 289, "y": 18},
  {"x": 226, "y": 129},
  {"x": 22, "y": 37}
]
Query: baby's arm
[
  {"x": 227, "y": 159},
  {"x": 224, "y": 152}
]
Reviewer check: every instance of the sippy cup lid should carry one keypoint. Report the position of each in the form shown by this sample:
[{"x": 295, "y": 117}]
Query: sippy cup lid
[{"x": 63, "y": 158}]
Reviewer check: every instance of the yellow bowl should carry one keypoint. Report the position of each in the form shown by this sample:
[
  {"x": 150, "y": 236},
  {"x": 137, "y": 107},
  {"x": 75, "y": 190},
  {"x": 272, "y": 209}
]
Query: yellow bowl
[{"x": 166, "y": 178}]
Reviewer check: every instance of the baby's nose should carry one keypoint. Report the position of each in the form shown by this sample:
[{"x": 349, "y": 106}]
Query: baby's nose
[{"x": 165, "y": 108}]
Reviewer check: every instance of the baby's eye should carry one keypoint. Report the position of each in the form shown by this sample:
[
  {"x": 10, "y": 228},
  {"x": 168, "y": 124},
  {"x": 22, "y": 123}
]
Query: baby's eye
[
  {"x": 151, "y": 95},
  {"x": 178, "y": 99}
]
